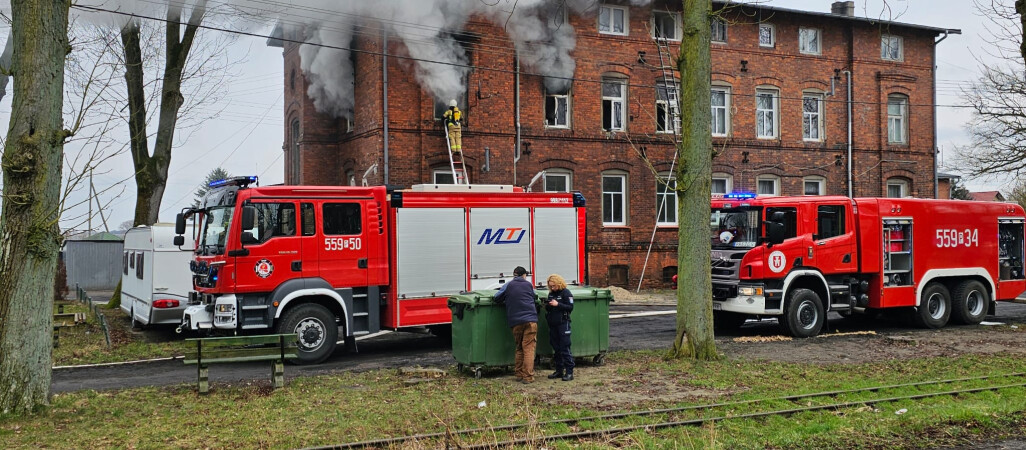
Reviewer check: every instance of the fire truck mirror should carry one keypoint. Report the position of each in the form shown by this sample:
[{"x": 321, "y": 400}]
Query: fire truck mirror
[
  {"x": 248, "y": 238},
  {"x": 180, "y": 224},
  {"x": 248, "y": 217},
  {"x": 179, "y": 241},
  {"x": 774, "y": 232}
]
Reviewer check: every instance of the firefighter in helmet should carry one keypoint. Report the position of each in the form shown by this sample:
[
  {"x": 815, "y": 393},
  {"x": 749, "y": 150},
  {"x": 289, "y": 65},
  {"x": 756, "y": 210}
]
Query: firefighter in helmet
[{"x": 451, "y": 118}]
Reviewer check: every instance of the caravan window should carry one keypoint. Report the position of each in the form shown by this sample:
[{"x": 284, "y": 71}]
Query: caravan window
[
  {"x": 131, "y": 260},
  {"x": 124, "y": 263},
  {"x": 139, "y": 265}
]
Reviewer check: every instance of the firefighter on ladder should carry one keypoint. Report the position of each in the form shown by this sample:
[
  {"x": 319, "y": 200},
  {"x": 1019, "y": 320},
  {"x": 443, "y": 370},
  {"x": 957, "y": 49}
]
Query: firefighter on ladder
[{"x": 451, "y": 117}]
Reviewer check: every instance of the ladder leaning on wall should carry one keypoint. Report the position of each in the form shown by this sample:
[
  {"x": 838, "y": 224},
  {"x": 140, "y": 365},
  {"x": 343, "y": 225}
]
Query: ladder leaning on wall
[
  {"x": 456, "y": 163},
  {"x": 671, "y": 121}
]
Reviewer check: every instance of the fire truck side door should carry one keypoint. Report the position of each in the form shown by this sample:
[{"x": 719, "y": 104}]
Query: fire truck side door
[
  {"x": 833, "y": 244},
  {"x": 312, "y": 241},
  {"x": 343, "y": 249},
  {"x": 271, "y": 247}
]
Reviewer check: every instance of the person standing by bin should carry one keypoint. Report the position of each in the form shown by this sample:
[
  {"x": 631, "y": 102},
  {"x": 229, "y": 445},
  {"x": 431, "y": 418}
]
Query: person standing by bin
[
  {"x": 558, "y": 308},
  {"x": 522, "y": 316}
]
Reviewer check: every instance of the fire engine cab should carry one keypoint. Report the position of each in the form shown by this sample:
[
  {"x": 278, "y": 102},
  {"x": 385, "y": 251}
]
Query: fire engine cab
[
  {"x": 332, "y": 263},
  {"x": 799, "y": 258}
]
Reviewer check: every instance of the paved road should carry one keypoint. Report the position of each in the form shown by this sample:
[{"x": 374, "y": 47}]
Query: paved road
[{"x": 404, "y": 349}]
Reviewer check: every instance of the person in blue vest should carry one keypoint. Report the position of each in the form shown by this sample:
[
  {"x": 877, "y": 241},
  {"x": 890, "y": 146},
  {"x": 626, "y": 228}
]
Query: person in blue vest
[
  {"x": 522, "y": 317},
  {"x": 558, "y": 308}
]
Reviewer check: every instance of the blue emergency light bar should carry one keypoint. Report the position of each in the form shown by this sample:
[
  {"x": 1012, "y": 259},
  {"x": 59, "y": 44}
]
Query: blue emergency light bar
[
  {"x": 739, "y": 195},
  {"x": 234, "y": 181}
]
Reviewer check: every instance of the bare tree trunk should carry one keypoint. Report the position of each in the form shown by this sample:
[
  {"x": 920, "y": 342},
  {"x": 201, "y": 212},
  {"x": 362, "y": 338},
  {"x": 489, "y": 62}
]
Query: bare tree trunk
[
  {"x": 1020, "y": 9},
  {"x": 29, "y": 235},
  {"x": 151, "y": 170},
  {"x": 694, "y": 179}
]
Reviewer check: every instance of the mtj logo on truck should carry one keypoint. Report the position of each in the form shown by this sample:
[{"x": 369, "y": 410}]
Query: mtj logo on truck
[{"x": 496, "y": 237}]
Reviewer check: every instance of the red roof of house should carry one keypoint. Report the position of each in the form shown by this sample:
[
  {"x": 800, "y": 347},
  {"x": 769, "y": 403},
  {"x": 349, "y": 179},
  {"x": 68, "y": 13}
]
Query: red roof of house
[{"x": 988, "y": 196}]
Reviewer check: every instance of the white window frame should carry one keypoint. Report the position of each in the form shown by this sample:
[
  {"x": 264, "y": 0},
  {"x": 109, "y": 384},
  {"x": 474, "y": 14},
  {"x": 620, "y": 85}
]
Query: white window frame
[
  {"x": 772, "y": 33},
  {"x": 772, "y": 178},
  {"x": 436, "y": 173},
  {"x": 902, "y": 187},
  {"x": 610, "y": 11},
  {"x": 615, "y": 197},
  {"x": 567, "y": 176},
  {"x": 804, "y": 43},
  {"x": 622, "y": 100},
  {"x": 897, "y": 123},
  {"x": 677, "y": 25},
  {"x": 769, "y": 116},
  {"x": 665, "y": 191},
  {"x": 722, "y": 24},
  {"x": 808, "y": 116},
  {"x": 728, "y": 182},
  {"x": 888, "y": 42},
  {"x": 725, "y": 109},
  {"x": 667, "y": 108},
  {"x": 820, "y": 185},
  {"x": 566, "y": 99}
]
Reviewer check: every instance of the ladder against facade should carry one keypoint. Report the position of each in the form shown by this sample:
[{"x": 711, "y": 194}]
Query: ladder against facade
[
  {"x": 671, "y": 119},
  {"x": 456, "y": 163}
]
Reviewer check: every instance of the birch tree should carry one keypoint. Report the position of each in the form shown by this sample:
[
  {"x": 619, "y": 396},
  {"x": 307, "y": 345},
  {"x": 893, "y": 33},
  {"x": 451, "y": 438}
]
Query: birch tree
[
  {"x": 694, "y": 182},
  {"x": 29, "y": 235}
]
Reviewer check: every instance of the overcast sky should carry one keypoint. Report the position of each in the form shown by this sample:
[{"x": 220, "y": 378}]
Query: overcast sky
[{"x": 246, "y": 137}]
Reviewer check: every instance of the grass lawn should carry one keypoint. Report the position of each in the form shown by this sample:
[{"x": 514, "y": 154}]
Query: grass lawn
[
  {"x": 86, "y": 344},
  {"x": 346, "y": 407}
]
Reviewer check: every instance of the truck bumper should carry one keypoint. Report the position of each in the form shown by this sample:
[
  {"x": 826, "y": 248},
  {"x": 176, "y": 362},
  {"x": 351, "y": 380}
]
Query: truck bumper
[
  {"x": 746, "y": 304},
  {"x": 197, "y": 317}
]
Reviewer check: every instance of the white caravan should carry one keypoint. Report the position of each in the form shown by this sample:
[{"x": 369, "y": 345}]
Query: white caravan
[{"x": 156, "y": 279}]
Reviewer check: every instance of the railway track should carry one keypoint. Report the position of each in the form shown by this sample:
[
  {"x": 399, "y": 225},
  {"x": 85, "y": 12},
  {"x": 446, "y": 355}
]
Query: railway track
[{"x": 695, "y": 415}]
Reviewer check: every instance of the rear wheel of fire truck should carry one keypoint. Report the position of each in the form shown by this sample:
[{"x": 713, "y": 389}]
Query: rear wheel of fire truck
[
  {"x": 804, "y": 316},
  {"x": 728, "y": 322},
  {"x": 969, "y": 303},
  {"x": 935, "y": 306},
  {"x": 315, "y": 327}
]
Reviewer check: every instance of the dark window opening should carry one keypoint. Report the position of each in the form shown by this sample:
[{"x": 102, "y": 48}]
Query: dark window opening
[
  {"x": 831, "y": 221},
  {"x": 342, "y": 219}
]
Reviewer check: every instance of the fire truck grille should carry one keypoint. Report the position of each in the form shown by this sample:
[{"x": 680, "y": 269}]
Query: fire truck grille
[{"x": 725, "y": 268}]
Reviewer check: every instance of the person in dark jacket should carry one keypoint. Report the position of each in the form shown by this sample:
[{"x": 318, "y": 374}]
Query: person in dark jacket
[
  {"x": 558, "y": 308},
  {"x": 522, "y": 316}
]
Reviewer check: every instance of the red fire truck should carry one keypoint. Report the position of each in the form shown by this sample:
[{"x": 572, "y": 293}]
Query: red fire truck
[
  {"x": 799, "y": 258},
  {"x": 312, "y": 259}
]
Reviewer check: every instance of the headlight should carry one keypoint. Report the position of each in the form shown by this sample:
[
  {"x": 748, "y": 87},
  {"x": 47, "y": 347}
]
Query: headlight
[
  {"x": 749, "y": 290},
  {"x": 225, "y": 307}
]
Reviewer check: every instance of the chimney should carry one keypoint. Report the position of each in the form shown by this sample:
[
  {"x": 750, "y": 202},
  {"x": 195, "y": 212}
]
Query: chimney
[{"x": 843, "y": 8}]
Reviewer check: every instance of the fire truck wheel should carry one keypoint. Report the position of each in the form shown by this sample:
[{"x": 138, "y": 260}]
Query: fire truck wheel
[
  {"x": 728, "y": 322},
  {"x": 969, "y": 303},
  {"x": 934, "y": 307},
  {"x": 804, "y": 316},
  {"x": 315, "y": 326}
]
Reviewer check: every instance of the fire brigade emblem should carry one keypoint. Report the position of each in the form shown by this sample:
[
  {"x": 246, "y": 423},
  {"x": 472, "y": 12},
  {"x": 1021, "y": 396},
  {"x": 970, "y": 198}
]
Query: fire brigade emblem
[
  {"x": 777, "y": 261},
  {"x": 264, "y": 268}
]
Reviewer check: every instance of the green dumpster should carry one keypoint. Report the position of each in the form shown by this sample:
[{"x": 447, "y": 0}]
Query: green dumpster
[
  {"x": 480, "y": 337},
  {"x": 589, "y": 336}
]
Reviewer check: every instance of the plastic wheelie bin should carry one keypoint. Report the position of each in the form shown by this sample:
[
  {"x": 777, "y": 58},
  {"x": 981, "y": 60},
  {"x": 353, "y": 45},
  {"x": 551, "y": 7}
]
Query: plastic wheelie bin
[
  {"x": 480, "y": 337},
  {"x": 589, "y": 324}
]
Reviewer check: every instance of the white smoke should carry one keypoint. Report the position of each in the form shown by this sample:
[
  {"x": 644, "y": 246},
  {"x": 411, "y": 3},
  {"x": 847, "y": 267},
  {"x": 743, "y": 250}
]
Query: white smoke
[{"x": 541, "y": 34}]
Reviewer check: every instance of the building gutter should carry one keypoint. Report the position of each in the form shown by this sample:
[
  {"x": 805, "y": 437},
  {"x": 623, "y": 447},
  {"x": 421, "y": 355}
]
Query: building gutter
[{"x": 516, "y": 102}]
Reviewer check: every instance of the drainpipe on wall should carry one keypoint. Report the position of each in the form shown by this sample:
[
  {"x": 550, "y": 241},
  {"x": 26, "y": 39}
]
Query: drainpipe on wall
[
  {"x": 936, "y": 189},
  {"x": 847, "y": 73},
  {"x": 516, "y": 102},
  {"x": 384, "y": 102}
]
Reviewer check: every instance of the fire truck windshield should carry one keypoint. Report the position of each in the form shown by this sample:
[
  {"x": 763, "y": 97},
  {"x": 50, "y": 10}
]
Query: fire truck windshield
[
  {"x": 216, "y": 223},
  {"x": 734, "y": 228}
]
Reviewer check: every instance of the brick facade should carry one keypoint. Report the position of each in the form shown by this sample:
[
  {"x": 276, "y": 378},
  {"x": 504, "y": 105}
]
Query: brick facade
[{"x": 330, "y": 152}]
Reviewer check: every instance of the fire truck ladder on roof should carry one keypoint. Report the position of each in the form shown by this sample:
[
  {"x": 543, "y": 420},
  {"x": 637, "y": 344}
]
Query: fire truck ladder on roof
[
  {"x": 671, "y": 122},
  {"x": 459, "y": 169}
]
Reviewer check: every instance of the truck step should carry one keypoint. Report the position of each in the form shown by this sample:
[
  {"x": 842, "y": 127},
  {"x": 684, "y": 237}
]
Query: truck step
[{"x": 840, "y": 307}]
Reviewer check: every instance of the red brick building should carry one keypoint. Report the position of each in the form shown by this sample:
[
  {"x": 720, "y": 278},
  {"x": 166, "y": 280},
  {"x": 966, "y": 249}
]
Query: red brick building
[{"x": 780, "y": 118}]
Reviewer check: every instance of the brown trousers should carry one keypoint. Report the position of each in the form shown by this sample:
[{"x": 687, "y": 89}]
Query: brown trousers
[{"x": 525, "y": 337}]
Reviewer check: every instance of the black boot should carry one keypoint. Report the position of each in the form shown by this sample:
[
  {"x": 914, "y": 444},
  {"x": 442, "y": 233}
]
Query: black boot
[
  {"x": 557, "y": 374},
  {"x": 568, "y": 376}
]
